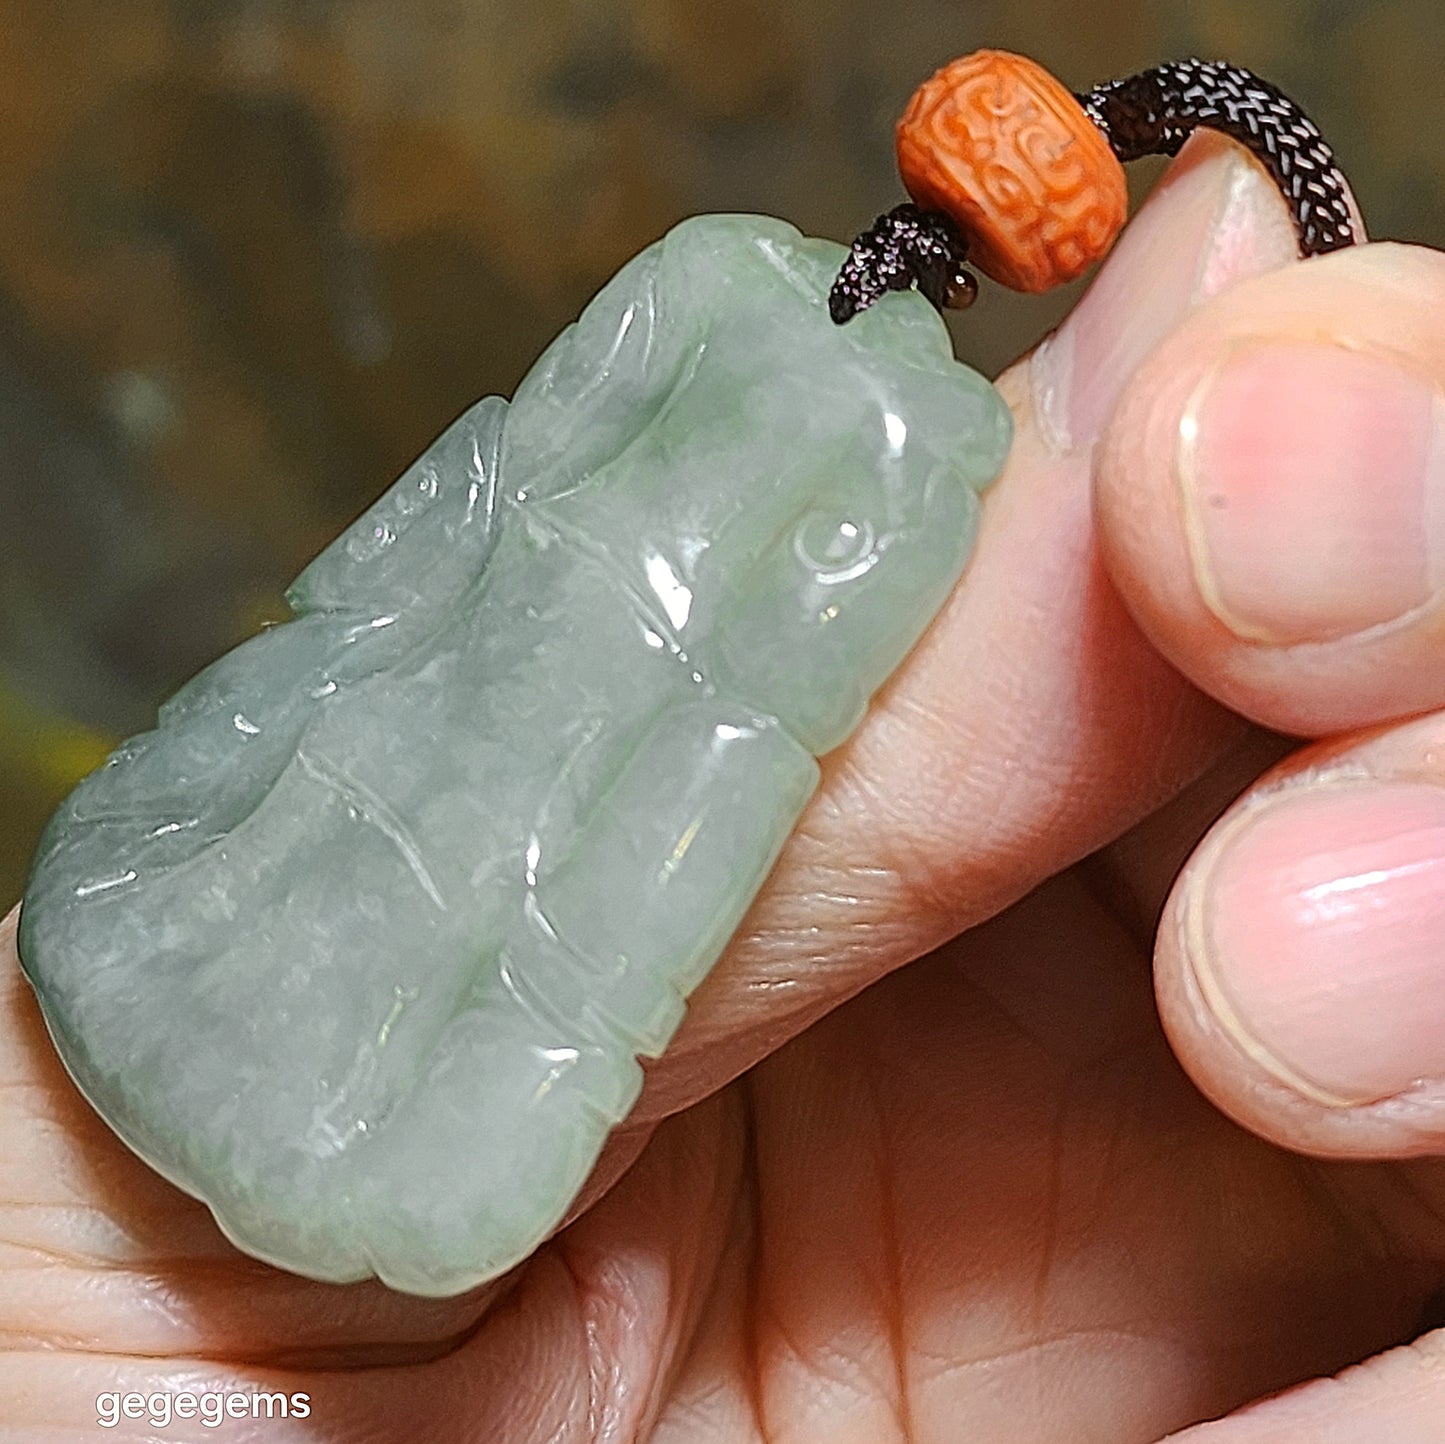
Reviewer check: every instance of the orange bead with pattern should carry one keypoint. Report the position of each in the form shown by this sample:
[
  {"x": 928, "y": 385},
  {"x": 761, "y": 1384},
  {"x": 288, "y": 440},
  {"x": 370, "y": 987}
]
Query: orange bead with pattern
[{"x": 1009, "y": 155}]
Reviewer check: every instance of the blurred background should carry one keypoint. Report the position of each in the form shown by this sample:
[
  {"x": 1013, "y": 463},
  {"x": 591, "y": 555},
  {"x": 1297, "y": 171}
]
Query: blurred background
[{"x": 255, "y": 253}]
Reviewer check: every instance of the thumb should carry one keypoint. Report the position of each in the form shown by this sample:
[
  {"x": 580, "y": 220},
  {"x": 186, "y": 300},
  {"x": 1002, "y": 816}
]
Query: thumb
[{"x": 1271, "y": 492}]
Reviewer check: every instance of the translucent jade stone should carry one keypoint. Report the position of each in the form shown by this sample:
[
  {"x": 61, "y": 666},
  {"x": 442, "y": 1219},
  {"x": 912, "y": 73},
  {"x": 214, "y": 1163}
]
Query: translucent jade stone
[{"x": 362, "y": 943}]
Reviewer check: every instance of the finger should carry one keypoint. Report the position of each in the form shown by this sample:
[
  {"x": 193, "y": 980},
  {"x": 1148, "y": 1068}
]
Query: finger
[
  {"x": 1270, "y": 493},
  {"x": 1300, "y": 965},
  {"x": 1033, "y": 722},
  {"x": 1135, "y": 873},
  {"x": 1395, "y": 1398}
]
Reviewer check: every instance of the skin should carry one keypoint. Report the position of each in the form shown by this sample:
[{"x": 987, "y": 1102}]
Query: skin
[{"x": 1016, "y": 1190}]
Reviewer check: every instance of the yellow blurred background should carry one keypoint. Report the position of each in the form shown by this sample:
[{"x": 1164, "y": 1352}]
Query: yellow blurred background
[{"x": 255, "y": 253}]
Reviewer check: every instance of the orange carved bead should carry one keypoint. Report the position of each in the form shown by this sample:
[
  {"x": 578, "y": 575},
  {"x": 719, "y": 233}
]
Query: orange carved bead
[{"x": 1009, "y": 155}]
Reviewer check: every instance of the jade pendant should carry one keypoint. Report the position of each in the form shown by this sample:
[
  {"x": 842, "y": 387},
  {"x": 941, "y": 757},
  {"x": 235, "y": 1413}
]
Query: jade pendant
[{"x": 362, "y": 943}]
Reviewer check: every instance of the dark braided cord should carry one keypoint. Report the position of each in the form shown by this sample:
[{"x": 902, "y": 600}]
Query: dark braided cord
[
  {"x": 902, "y": 249},
  {"x": 1154, "y": 112}
]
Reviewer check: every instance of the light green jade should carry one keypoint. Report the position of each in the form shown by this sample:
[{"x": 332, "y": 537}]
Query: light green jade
[{"x": 362, "y": 943}]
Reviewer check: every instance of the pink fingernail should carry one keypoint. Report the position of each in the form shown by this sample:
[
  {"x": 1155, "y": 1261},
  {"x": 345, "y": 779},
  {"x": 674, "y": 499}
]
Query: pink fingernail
[
  {"x": 1213, "y": 220},
  {"x": 1317, "y": 938},
  {"x": 1313, "y": 485}
]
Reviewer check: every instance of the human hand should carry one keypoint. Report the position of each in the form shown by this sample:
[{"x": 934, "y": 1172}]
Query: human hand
[{"x": 981, "y": 1199}]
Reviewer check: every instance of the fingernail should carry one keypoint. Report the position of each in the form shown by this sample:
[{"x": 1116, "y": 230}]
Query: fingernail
[
  {"x": 1316, "y": 935},
  {"x": 1313, "y": 484},
  {"x": 1214, "y": 219}
]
